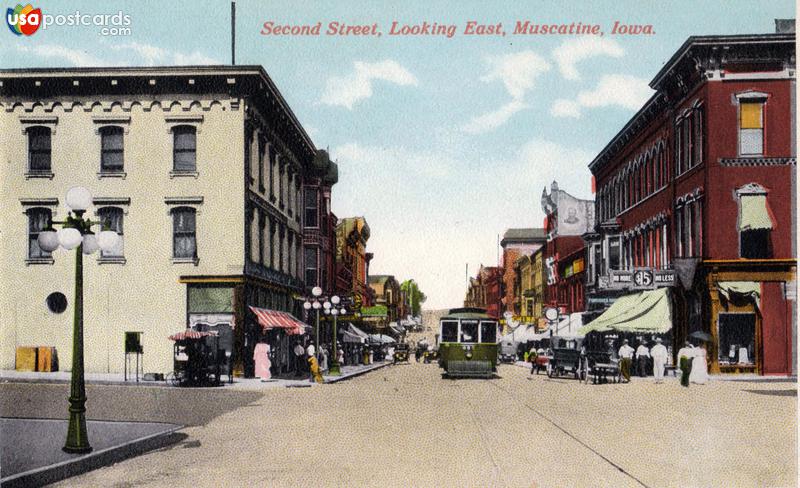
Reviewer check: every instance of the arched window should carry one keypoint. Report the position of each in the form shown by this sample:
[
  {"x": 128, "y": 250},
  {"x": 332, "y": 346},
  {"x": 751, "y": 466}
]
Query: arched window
[
  {"x": 39, "y": 149},
  {"x": 111, "y": 149},
  {"x": 184, "y": 237},
  {"x": 184, "y": 152}
]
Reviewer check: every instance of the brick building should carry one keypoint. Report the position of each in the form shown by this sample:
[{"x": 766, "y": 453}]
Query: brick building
[
  {"x": 515, "y": 243},
  {"x": 696, "y": 194}
]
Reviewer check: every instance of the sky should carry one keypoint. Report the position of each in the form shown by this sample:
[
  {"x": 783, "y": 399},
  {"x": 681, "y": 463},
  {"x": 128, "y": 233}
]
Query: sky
[{"x": 443, "y": 143}]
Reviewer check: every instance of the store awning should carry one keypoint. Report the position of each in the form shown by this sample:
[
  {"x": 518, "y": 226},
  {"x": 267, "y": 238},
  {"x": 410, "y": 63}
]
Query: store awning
[
  {"x": 380, "y": 339},
  {"x": 397, "y": 329},
  {"x": 741, "y": 289},
  {"x": 190, "y": 334},
  {"x": 351, "y": 338},
  {"x": 647, "y": 311},
  {"x": 274, "y": 319},
  {"x": 355, "y": 330},
  {"x": 754, "y": 213}
]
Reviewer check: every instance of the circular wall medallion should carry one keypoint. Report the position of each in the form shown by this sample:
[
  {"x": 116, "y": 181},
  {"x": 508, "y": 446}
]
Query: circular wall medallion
[{"x": 56, "y": 302}]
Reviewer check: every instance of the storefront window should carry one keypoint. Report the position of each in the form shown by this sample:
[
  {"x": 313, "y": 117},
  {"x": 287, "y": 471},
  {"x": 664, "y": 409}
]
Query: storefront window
[{"x": 737, "y": 338}]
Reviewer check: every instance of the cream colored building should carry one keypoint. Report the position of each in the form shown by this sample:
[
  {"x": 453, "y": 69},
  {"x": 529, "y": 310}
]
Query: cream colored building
[{"x": 201, "y": 168}]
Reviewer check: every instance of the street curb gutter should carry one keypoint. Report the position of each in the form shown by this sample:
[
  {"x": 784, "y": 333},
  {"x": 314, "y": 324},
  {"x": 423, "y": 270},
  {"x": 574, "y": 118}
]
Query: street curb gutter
[
  {"x": 336, "y": 379},
  {"x": 97, "y": 459},
  {"x": 59, "y": 381}
]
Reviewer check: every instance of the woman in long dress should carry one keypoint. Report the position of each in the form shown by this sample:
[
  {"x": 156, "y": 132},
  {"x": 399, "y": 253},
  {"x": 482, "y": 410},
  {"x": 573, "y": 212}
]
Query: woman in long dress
[
  {"x": 261, "y": 358},
  {"x": 699, "y": 374}
]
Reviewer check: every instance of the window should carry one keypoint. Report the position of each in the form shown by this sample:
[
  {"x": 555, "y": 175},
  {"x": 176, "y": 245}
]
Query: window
[
  {"x": 751, "y": 127},
  {"x": 184, "y": 152},
  {"x": 261, "y": 224},
  {"x": 311, "y": 211},
  {"x": 489, "y": 329},
  {"x": 697, "y": 116},
  {"x": 263, "y": 149},
  {"x": 111, "y": 149},
  {"x": 678, "y": 150},
  {"x": 273, "y": 233},
  {"x": 449, "y": 331},
  {"x": 184, "y": 243},
  {"x": 311, "y": 266},
  {"x": 39, "y": 150},
  {"x": 469, "y": 331},
  {"x": 755, "y": 223},
  {"x": 613, "y": 252},
  {"x": 39, "y": 219},
  {"x": 111, "y": 219}
]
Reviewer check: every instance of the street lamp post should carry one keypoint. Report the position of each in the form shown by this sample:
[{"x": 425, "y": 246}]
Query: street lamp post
[
  {"x": 330, "y": 307},
  {"x": 76, "y": 233}
]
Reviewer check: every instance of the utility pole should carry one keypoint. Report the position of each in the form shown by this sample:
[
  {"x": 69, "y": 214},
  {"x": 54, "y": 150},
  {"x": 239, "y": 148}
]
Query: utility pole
[{"x": 233, "y": 33}]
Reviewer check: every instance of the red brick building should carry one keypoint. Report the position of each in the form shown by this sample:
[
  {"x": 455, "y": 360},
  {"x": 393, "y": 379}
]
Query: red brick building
[
  {"x": 567, "y": 219},
  {"x": 696, "y": 193},
  {"x": 485, "y": 291},
  {"x": 515, "y": 243},
  {"x": 319, "y": 238}
]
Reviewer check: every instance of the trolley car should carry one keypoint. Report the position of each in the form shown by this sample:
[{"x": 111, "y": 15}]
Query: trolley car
[{"x": 468, "y": 343}]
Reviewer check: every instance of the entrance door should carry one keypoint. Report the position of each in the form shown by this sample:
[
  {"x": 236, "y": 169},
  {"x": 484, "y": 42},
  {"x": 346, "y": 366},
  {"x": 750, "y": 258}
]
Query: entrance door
[{"x": 737, "y": 340}]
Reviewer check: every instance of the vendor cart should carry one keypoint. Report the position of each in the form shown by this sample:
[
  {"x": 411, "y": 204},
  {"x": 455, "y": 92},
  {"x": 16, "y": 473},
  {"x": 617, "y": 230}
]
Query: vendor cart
[{"x": 197, "y": 359}]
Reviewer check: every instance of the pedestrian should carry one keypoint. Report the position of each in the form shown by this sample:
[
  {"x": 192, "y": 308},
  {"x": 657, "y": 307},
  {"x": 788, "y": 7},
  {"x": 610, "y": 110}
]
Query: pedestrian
[
  {"x": 642, "y": 355},
  {"x": 532, "y": 357},
  {"x": 299, "y": 351},
  {"x": 699, "y": 373},
  {"x": 685, "y": 355},
  {"x": 313, "y": 367},
  {"x": 311, "y": 350},
  {"x": 625, "y": 359},
  {"x": 323, "y": 359},
  {"x": 340, "y": 355},
  {"x": 659, "y": 355},
  {"x": 261, "y": 358},
  {"x": 525, "y": 356}
]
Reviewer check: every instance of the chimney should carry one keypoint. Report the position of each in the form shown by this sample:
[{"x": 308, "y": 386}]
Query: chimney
[{"x": 784, "y": 26}]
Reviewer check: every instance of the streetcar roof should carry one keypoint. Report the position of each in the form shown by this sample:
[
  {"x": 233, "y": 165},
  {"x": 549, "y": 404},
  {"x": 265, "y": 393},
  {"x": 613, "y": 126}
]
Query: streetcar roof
[{"x": 467, "y": 313}]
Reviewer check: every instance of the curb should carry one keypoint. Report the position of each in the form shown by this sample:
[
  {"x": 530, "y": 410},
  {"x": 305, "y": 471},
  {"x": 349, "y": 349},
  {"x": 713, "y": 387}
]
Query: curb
[
  {"x": 59, "y": 381},
  {"x": 336, "y": 379},
  {"x": 97, "y": 459}
]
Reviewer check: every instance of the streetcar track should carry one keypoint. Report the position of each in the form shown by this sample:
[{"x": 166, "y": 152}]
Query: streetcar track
[
  {"x": 497, "y": 471},
  {"x": 571, "y": 435}
]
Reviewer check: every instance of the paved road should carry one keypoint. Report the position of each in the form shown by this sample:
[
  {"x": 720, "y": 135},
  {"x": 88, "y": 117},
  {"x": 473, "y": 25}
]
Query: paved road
[{"x": 405, "y": 426}]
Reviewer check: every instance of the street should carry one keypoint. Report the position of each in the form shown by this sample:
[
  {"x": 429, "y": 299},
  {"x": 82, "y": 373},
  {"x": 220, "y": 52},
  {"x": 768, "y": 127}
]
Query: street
[{"x": 406, "y": 426}]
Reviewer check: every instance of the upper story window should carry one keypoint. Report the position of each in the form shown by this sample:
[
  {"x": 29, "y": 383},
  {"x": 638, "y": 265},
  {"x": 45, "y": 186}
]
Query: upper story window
[
  {"x": 39, "y": 149},
  {"x": 111, "y": 218},
  {"x": 39, "y": 219},
  {"x": 112, "y": 149},
  {"x": 754, "y": 223},
  {"x": 310, "y": 260},
  {"x": 689, "y": 135},
  {"x": 184, "y": 152},
  {"x": 184, "y": 237},
  {"x": 311, "y": 208},
  {"x": 751, "y": 127}
]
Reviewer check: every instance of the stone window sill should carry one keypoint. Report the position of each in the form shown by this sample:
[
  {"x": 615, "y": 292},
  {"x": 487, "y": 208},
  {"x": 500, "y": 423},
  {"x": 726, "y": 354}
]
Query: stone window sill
[
  {"x": 182, "y": 174},
  {"x": 112, "y": 174},
  {"x": 31, "y": 261},
  {"x": 111, "y": 260},
  {"x": 195, "y": 261},
  {"x": 39, "y": 174}
]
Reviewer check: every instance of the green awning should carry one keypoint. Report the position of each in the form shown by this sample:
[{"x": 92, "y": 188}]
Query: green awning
[
  {"x": 375, "y": 311},
  {"x": 743, "y": 289},
  {"x": 647, "y": 311},
  {"x": 754, "y": 213}
]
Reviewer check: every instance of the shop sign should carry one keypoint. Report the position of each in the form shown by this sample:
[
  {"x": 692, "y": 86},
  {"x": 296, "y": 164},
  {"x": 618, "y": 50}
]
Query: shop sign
[{"x": 638, "y": 279}]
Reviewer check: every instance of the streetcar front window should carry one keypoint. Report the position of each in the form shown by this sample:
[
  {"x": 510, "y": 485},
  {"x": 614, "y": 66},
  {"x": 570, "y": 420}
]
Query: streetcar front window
[
  {"x": 469, "y": 331},
  {"x": 489, "y": 332},
  {"x": 449, "y": 331}
]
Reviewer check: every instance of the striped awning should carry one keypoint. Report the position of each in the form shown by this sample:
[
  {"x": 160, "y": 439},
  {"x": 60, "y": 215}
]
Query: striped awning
[
  {"x": 190, "y": 334},
  {"x": 274, "y": 319}
]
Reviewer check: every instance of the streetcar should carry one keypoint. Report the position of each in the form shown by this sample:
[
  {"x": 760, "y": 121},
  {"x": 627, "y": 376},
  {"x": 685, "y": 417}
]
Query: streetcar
[{"x": 468, "y": 343}]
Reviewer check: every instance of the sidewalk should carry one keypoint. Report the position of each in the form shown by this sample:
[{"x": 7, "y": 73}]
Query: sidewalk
[
  {"x": 713, "y": 377},
  {"x": 238, "y": 383}
]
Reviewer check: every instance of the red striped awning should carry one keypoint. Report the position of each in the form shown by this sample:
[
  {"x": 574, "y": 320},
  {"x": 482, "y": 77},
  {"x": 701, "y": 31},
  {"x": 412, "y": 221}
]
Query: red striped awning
[
  {"x": 189, "y": 334},
  {"x": 273, "y": 319}
]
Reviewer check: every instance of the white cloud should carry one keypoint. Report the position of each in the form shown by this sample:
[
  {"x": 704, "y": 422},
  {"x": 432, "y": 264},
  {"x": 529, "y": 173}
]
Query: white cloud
[
  {"x": 577, "y": 49},
  {"x": 346, "y": 90},
  {"x": 73, "y": 56},
  {"x": 623, "y": 91},
  {"x": 133, "y": 54},
  {"x": 151, "y": 55},
  {"x": 565, "y": 108},
  {"x": 517, "y": 71},
  {"x": 492, "y": 120}
]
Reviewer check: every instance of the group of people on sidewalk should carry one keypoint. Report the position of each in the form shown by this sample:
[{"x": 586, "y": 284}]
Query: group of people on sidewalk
[{"x": 691, "y": 361}]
